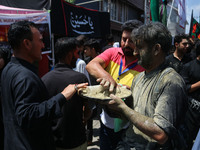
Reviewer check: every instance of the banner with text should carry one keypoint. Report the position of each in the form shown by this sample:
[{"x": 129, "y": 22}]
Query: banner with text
[{"x": 79, "y": 20}]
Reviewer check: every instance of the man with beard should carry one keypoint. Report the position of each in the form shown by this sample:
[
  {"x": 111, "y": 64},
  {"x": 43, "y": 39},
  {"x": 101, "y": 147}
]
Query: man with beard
[
  {"x": 115, "y": 66},
  {"x": 69, "y": 131},
  {"x": 180, "y": 56},
  {"x": 159, "y": 95}
]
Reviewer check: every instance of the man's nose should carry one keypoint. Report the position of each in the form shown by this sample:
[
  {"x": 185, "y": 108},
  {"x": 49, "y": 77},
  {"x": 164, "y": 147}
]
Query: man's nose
[{"x": 127, "y": 42}]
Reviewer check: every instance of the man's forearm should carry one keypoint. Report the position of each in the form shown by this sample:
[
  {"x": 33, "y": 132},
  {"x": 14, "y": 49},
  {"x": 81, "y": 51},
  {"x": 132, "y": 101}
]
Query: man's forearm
[
  {"x": 96, "y": 70},
  {"x": 194, "y": 87},
  {"x": 145, "y": 124}
]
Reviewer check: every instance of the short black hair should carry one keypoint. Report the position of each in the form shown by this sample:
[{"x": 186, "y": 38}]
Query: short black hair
[
  {"x": 19, "y": 31},
  {"x": 178, "y": 38},
  {"x": 153, "y": 33},
  {"x": 93, "y": 43},
  {"x": 130, "y": 25},
  {"x": 197, "y": 47},
  {"x": 63, "y": 46}
]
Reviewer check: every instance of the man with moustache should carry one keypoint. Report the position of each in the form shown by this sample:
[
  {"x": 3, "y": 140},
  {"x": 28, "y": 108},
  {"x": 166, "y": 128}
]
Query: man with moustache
[
  {"x": 159, "y": 95},
  {"x": 115, "y": 66},
  {"x": 69, "y": 130}
]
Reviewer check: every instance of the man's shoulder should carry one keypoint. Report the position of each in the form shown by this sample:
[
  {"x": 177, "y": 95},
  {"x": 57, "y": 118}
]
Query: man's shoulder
[
  {"x": 16, "y": 70},
  {"x": 111, "y": 54},
  {"x": 169, "y": 57},
  {"x": 67, "y": 73},
  {"x": 171, "y": 76}
]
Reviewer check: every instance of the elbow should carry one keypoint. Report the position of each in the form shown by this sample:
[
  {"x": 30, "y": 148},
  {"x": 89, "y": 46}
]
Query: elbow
[
  {"x": 161, "y": 138},
  {"x": 88, "y": 67}
]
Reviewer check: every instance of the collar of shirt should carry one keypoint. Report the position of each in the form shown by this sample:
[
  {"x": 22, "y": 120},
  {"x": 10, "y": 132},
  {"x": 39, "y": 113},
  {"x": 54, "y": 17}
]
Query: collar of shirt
[
  {"x": 155, "y": 71},
  {"x": 24, "y": 63},
  {"x": 62, "y": 65}
]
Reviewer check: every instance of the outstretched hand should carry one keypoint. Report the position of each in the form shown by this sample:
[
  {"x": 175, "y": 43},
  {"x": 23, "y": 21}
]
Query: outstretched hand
[{"x": 71, "y": 89}]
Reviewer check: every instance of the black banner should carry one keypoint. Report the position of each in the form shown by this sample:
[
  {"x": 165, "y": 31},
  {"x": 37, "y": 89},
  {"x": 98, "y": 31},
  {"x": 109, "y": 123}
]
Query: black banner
[{"x": 79, "y": 20}]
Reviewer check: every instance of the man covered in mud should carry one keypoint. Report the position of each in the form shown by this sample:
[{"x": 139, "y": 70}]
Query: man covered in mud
[{"x": 159, "y": 95}]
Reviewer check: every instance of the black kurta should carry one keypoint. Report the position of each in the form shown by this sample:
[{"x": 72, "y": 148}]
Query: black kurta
[{"x": 27, "y": 111}]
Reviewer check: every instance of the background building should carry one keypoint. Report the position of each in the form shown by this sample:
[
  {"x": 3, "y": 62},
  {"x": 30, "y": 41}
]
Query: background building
[{"x": 120, "y": 11}]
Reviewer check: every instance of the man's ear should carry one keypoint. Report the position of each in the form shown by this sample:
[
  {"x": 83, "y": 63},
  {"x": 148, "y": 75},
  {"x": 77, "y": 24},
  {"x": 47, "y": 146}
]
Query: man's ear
[
  {"x": 157, "y": 49},
  {"x": 176, "y": 44},
  {"x": 27, "y": 43}
]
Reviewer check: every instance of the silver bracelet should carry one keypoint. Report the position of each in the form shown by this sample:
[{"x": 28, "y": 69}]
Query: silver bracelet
[{"x": 76, "y": 87}]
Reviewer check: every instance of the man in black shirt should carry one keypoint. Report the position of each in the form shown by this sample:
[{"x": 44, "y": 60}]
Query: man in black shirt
[
  {"x": 191, "y": 75},
  {"x": 177, "y": 59},
  {"x": 69, "y": 131},
  {"x": 27, "y": 111}
]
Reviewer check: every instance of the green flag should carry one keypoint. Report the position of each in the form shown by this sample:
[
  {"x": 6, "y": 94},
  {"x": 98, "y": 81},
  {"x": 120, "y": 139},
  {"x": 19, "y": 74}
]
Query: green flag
[{"x": 154, "y": 7}]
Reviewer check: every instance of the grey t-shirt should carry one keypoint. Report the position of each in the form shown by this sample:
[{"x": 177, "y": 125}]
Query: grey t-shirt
[{"x": 161, "y": 95}]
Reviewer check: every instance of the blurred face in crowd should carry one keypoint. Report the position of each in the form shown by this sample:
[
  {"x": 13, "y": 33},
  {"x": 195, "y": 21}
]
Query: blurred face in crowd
[
  {"x": 183, "y": 46},
  {"x": 36, "y": 45},
  {"x": 75, "y": 56},
  {"x": 127, "y": 44},
  {"x": 88, "y": 51}
]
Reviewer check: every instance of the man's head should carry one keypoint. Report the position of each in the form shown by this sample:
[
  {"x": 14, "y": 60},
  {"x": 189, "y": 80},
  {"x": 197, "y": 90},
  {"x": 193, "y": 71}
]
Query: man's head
[
  {"x": 26, "y": 40},
  {"x": 181, "y": 43},
  {"x": 152, "y": 41},
  {"x": 92, "y": 48},
  {"x": 197, "y": 48},
  {"x": 66, "y": 51},
  {"x": 127, "y": 44}
]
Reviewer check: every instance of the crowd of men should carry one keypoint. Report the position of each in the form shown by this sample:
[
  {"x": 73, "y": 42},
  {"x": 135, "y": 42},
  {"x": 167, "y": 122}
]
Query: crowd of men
[{"x": 48, "y": 113}]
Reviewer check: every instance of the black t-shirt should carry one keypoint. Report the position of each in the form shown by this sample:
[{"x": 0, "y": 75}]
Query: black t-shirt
[{"x": 176, "y": 64}]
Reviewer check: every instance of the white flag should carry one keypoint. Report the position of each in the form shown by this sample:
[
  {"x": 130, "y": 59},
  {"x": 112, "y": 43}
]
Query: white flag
[{"x": 181, "y": 13}]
